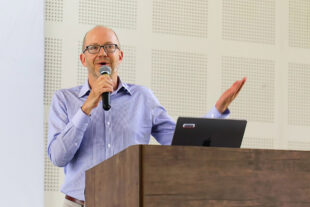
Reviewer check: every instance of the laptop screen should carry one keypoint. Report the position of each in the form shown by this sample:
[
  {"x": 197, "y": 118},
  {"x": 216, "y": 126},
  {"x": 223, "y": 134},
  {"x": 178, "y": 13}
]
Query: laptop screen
[{"x": 209, "y": 132}]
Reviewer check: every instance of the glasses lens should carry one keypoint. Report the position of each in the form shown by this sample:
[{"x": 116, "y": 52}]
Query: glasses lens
[
  {"x": 109, "y": 48},
  {"x": 93, "y": 49}
]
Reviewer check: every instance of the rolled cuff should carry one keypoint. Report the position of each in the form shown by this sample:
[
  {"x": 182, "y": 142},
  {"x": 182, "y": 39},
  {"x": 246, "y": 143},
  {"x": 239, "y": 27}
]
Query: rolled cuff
[
  {"x": 214, "y": 113},
  {"x": 80, "y": 120}
]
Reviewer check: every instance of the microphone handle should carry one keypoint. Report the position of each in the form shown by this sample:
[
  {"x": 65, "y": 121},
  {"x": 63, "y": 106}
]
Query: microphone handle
[{"x": 106, "y": 101}]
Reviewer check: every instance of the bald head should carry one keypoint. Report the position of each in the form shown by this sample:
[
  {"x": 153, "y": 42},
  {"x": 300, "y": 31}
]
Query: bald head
[{"x": 95, "y": 30}]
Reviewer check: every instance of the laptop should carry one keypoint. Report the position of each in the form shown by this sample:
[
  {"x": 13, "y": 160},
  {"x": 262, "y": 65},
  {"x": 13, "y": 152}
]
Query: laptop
[{"x": 209, "y": 132}]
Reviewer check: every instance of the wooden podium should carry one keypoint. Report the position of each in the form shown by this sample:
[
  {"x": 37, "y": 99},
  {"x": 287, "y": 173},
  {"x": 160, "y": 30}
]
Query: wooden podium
[{"x": 177, "y": 176}]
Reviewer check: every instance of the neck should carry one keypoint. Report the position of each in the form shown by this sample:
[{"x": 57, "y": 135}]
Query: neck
[{"x": 114, "y": 80}]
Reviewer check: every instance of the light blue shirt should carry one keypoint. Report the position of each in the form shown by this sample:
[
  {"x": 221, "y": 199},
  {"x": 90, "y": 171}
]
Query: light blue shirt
[{"x": 78, "y": 142}]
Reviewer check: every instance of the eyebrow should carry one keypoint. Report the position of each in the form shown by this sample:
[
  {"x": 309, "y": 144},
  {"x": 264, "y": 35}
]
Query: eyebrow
[{"x": 103, "y": 44}]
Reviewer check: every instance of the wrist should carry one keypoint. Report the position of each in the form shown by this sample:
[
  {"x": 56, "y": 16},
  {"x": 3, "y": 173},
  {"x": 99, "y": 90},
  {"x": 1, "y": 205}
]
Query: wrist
[
  {"x": 219, "y": 108},
  {"x": 86, "y": 109}
]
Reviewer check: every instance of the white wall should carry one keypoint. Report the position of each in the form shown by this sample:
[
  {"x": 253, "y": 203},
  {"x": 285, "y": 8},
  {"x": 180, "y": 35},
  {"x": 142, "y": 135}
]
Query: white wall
[{"x": 21, "y": 105}]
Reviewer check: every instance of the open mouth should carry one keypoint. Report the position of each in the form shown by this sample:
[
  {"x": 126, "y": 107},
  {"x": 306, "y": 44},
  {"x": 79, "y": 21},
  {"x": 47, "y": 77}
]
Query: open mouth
[{"x": 102, "y": 63}]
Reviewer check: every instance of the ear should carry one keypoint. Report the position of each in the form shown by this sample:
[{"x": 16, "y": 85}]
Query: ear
[
  {"x": 120, "y": 56},
  {"x": 83, "y": 59}
]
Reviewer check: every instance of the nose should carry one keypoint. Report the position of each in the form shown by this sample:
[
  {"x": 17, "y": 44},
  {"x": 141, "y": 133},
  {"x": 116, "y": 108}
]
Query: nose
[{"x": 102, "y": 52}]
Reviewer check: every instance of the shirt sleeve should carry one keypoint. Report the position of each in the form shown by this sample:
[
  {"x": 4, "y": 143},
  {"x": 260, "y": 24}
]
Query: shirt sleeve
[
  {"x": 163, "y": 126},
  {"x": 214, "y": 113},
  {"x": 64, "y": 135}
]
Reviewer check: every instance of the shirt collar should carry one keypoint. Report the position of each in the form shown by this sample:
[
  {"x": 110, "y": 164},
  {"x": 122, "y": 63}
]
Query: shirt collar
[
  {"x": 121, "y": 87},
  {"x": 85, "y": 89}
]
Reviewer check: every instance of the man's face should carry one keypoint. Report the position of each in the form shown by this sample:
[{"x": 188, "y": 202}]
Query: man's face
[{"x": 101, "y": 36}]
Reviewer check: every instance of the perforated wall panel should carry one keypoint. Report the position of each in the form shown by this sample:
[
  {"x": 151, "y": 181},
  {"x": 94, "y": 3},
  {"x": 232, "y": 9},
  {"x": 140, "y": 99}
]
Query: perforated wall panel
[
  {"x": 257, "y": 99},
  {"x": 54, "y": 10},
  {"x": 180, "y": 17},
  {"x": 51, "y": 173},
  {"x": 81, "y": 71},
  {"x": 52, "y": 67},
  {"x": 257, "y": 143},
  {"x": 111, "y": 13},
  {"x": 299, "y": 21},
  {"x": 127, "y": 69},
  {"x": 249, "y": 21},
  {"x": 180, "y": 88},
  {"x": 299, "y": 94}
]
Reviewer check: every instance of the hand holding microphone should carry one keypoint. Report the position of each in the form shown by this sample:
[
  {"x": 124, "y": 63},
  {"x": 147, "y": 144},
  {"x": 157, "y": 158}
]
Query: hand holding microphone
[
  {"x": 105, "y": 70},
  {"x": 100, "y": 90}
]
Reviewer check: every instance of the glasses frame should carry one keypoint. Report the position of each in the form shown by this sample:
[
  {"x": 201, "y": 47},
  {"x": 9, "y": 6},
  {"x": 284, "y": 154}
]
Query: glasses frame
[{"x": 101, "y": 46}]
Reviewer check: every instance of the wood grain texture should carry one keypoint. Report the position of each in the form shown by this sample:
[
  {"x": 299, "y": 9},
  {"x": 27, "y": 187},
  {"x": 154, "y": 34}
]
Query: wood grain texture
[
  {"x": 116, "y": 181},
  {"x": 90, "y": 188},
  {"x": 178, "y": 176},
  {"x": 198, "y": 176}
]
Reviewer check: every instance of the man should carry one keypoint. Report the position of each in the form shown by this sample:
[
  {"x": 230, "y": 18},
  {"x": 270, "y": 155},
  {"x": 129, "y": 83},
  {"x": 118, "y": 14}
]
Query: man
[{"x": 82, "y": 134}]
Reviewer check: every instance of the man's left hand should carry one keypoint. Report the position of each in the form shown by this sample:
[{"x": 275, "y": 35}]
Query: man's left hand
[{"x": 229, "y": 95}]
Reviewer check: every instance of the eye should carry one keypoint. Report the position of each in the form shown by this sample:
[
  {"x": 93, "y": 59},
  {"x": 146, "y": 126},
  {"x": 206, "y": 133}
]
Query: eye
[{"x": 93, "y": 47}]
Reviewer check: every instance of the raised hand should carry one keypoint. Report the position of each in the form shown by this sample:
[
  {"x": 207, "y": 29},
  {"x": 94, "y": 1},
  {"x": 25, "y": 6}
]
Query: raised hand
[{"x": 229, "y": 95}]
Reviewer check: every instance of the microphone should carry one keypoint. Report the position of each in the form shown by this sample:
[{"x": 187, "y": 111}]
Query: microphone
[{"x": 105, "y": 70}]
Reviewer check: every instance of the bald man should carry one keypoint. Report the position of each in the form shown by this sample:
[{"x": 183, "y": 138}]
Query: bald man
[{"x": 82, "y": 134}]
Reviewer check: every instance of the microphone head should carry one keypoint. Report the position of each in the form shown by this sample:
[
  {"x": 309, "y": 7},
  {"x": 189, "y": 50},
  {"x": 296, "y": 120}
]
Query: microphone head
[{"x": 105, "y": 70}]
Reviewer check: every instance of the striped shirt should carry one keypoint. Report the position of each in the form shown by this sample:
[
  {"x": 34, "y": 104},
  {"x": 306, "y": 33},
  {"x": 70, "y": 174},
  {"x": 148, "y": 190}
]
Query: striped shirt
[{"x": 78, "y": 142}]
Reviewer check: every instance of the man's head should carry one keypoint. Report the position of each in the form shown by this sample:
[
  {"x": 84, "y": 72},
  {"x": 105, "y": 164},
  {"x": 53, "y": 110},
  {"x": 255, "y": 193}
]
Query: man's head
[{"x": 110, "y": 55}]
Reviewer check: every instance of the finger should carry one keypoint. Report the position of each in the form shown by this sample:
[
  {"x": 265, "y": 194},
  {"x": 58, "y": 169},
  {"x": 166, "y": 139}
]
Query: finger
[
  {"x": 233, "y": 89},
  {"x": 101, "y": 88},
  {"x": 105, "y": 84},
  {"x": 238, "y": 88},
  {"x": 242, "y": 82},
  {"x": 106, "y": 78},
  {"x": 104, "y": 81},
  {"x": 238, "y": 85},
  {"x": 106, "y": 88}
]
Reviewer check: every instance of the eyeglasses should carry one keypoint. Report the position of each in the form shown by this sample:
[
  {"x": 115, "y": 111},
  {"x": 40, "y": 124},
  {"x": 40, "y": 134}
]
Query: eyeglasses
[{"x": 94, "y": 49}]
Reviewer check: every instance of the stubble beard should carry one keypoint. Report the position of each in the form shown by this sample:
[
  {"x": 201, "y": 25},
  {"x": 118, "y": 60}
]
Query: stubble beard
[{"x": 93, "y": 73}]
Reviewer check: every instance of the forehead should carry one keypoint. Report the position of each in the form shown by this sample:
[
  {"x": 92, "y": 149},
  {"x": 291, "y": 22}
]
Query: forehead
[{"x": 100, "y": 36}]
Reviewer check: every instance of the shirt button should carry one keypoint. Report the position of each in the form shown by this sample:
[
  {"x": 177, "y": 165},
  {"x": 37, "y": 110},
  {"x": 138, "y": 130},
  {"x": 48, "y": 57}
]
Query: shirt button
[
  {"x": 109, "y": 145},
  {"x": 108, "y": 123}
]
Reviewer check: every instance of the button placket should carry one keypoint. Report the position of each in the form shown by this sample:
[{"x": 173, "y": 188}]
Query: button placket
[{"x": 108, "y": 133}]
